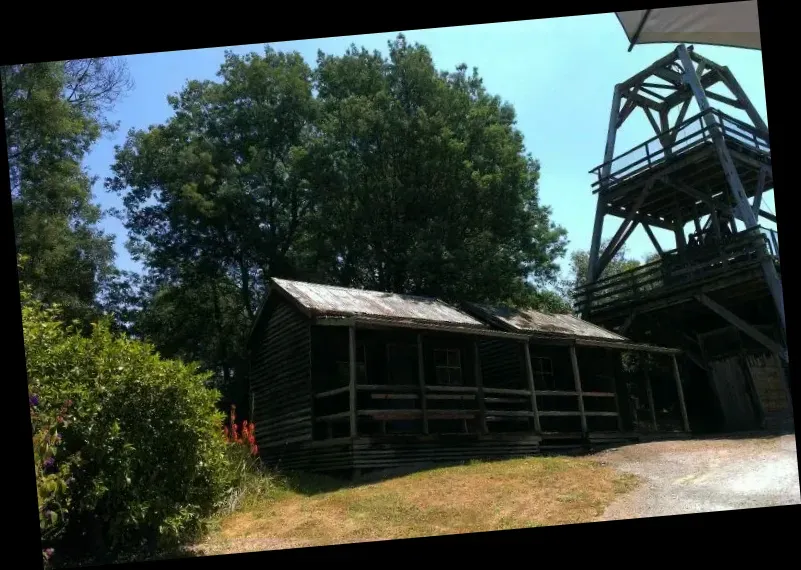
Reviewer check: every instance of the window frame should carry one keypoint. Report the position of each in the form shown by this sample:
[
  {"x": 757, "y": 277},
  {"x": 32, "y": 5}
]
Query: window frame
[{"x": 448, "y": 367}]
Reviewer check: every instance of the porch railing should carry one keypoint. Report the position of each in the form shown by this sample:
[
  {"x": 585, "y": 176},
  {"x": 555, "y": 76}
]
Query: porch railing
[
  {"x": 675, "y": 271},
  {"x": 688, "y": 135}
]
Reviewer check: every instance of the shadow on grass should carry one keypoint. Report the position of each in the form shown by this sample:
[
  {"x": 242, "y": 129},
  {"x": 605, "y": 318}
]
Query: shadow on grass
[{"x": 310, "y": 484}]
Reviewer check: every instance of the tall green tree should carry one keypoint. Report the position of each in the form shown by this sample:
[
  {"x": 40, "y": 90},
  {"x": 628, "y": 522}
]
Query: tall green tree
[
  {"x": 212, "y": 204},
  {"x": 54, "y": 113},
  {"x": 424, "y": 183}
]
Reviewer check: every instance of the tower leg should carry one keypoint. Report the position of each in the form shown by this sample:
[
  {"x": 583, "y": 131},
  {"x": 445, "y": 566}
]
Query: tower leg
[{"x": 735, "y": 184}]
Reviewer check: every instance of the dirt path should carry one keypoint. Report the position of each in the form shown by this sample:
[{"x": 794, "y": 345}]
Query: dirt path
[{"x": 695, "y": 476}]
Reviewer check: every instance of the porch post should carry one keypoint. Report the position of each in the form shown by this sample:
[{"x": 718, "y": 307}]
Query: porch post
[
  {"x": 680, "y": 391},
  {"x": 530, "y": 379},
  {"x": 649, "y": 392},
  {"x": 482, "y": 410},
  {"x": 577, "y": 380},
  {"x": 421, "y": 377},
  {"x": 352, "y": 387}
]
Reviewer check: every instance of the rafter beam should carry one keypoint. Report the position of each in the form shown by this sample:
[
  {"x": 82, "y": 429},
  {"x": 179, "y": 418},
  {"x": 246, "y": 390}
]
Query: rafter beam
[
  {"x": 657, "y": 130},
  {"x": 653, "y": 239},
  {"x": 745, "y": 327},
  {"x": 668, "y": 75},
  {"x": 767, "y": 216},
  {"x": 647, "y": 91},
  {"x": 627, "y": 228},
  {"x": 745, "y": 159},
  {"x": 627, "y": 323},
  {"x": 760, "y": 188},
  {"x": 655, "y": 69},
  {"x": 627, "y": 109},
  {"x": 623, "y": 232},
  {"x": 731, "y": 82},
  {"x": 642, "y": 218},
  {"x": 642, "y": 101},
  {"x": 708, "y": 80},
  {"x": 720, "y": 98},
  {"x": 672, "y": 87},
  {"x": 690, "y": 191}
]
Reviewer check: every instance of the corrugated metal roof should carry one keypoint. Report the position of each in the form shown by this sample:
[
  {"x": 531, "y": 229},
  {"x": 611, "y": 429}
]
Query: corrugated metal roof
[
  {"x": 531, "y": 321},
  {"x": 327, "y": 300}
]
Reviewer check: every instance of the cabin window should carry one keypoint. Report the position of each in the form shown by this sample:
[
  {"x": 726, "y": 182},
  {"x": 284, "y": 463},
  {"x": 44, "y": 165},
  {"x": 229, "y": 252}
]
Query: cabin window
[
  {"x": 448, "y": 363},
  {"x": 402, "y": 364},
  {"x": 343, "y": 367},
  {"x": 542, "y": 368}
]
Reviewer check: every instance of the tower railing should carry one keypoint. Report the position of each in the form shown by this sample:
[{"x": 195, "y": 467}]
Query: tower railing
[
  {"x": 676, "y": 271},
  {"x": 684, "y": 137}
]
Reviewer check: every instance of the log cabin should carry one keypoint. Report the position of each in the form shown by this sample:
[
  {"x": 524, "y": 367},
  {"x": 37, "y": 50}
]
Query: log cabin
[{"x": 344, "y": 380}]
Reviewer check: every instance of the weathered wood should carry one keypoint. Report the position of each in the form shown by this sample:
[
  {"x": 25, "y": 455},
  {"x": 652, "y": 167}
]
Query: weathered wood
[
  {"x": 506, "y": 391},
  {"x": 653, "y": 239},
  {"x": 570, "y": 393},
  {"x": 768, "y": 216},
  {"x": 745, "y": 102},
  {"x": 760, "y": 188},
  {"x": 463, "y": 389},
  {"x": 685, "y": 421},
  {"x": 627, "y": 323},
  {"x": 554, "y": 413},
  {"x": 370, "y": 323},
  {"x": 334, "y": 392},
  {"x": 623, "y": 232},
  {"x": 532, "y": 391},
  {"x": 279, "y": 376},
  {"x": 387, "y": 387},
  {"x": 480, "y": 387},
  {"x": 509, "y": 413},
  {"x": 577, "y": 381},
  {"x": 730, "y": 171},
  {"x": 745, "y": 327},
  {"x": 650, "y": 395},
  {"x": 450, "y": 397},
  {"x": 333, "y": 417},
  {"x": 394, "y": 396},
  {"x": 652, "y": 120},
  {"x": 496, "y": 400},
  {"x": 421, "y": 378},
  {"x": 352, "y": 387}
]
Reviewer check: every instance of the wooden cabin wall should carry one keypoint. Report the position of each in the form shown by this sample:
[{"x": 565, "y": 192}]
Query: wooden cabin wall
[
  {"x": 553, "y": 372},
  {"x": 604, "y": 385},
  {"x": 502, "y": 364},
  {"x": 280, "y": 377}
]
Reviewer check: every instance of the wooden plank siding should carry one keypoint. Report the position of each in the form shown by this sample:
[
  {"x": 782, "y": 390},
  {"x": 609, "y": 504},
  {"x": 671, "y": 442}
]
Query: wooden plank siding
[{"x": 280, "y": 378}]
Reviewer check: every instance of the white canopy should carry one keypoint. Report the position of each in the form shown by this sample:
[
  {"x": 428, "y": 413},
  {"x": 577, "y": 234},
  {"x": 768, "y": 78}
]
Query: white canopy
[{"x": 734, "y": 24}]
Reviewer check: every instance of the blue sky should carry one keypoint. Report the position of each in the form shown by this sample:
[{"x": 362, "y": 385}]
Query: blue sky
[{"x": 558, "y": 73}]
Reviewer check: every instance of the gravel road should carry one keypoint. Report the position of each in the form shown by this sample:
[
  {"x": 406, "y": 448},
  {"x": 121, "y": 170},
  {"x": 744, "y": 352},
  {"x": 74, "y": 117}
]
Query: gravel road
[{"x": 695, "y": 476}]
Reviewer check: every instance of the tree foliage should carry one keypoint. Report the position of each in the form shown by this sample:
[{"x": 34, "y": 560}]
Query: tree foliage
[
  {"x": 424, "y": 183},
  {"x": 54, "y": 113},
  {"x": 141, "y": 460},
  {"x": 370, "y": 171}
]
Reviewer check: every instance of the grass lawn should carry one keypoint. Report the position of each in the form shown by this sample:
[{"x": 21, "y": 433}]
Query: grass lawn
[{"x": 501, "y": 495}]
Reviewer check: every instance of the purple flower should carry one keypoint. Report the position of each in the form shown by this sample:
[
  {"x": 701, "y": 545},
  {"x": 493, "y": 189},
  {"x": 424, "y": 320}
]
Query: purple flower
[
  {"x": 49, "y": 463},
  {"x": 33, "y": 400},
  {"x": 58, "y": 437},
  {"x": 48, "y": 552}
]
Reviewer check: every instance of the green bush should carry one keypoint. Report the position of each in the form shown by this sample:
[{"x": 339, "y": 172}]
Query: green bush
[{"x": 146, "y": 455}]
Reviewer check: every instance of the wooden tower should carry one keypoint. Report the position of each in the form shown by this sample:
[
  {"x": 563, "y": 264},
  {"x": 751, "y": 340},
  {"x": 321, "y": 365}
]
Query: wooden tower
[{"x": 717, "y": 294}]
